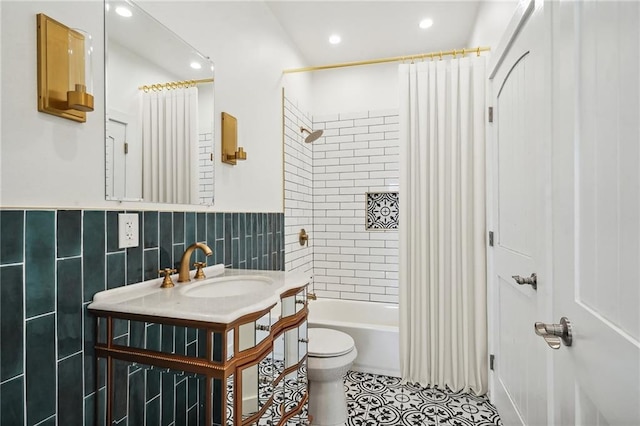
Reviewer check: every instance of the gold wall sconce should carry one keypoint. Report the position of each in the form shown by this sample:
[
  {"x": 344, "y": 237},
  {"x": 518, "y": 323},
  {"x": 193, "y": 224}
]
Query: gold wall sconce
[
  {"x": 231, "y": 152},
  {"x": 65, "y": 70}
]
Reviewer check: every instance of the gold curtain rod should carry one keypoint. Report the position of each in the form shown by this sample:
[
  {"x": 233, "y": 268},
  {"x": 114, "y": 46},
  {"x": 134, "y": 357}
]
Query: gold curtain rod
[
  {"x": 421, "y": 56},
  {"x": 174, "y": 84}
]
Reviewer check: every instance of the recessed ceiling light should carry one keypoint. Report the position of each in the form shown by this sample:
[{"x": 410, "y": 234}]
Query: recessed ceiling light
[
  {"x": 196, "y": 65},
  {"x": 123, "y": 11},
  {"x": 426, "y": 23},
  {"x": 335, "y": 39}
]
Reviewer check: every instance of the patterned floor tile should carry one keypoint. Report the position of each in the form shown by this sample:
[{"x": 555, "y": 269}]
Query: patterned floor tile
[{"x": 375, "y": 400}]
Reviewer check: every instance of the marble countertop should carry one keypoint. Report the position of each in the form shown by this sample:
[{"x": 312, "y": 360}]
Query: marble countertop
[{"x": 147, "y": 298}]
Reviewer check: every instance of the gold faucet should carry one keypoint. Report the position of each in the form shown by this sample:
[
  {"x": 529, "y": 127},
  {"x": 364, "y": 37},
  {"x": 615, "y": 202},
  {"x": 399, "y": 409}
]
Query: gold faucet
[{"x": 183, "y": 272}]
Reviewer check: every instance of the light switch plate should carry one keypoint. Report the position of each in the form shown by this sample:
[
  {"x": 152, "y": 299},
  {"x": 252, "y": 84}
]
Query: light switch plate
[{"x": 128, "y": 230}]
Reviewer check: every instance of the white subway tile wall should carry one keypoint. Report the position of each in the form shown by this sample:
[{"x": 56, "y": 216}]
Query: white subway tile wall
[
  {"x": 298, "y": 187},
  {"x": 358, "y": 153},
  {"x": 205, "y": 178}
]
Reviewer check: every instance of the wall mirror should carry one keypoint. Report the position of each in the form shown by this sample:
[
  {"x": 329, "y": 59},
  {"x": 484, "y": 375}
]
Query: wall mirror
[{"x": 159, "y": 112}]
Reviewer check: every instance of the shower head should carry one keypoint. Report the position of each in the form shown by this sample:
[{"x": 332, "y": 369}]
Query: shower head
[{"x": 313, "y": 135}]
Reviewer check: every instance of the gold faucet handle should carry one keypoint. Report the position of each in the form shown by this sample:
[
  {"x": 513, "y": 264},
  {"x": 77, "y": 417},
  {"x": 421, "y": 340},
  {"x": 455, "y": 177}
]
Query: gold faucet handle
[
  {"x": 311, "y": 296},
  {"x": 199, "y": 273},
  {"x": 167, "y": 282}
]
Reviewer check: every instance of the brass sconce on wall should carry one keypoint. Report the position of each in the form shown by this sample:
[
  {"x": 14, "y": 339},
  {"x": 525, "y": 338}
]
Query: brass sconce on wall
[
  {"x": 231, "y": 152},
  {"x": 65, "y": 73}
]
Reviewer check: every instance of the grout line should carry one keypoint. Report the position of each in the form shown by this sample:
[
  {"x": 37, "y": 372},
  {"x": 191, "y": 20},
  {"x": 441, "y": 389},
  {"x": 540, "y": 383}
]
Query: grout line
[
  {"x": 55, "y": 298},
  {"x": 69, "y": 356},
  {"x": 43, "y": 421},
  {"x": 24, "y": 314},
  {"x": 12, "y": 378},
  {"x": 40, "y": 316}
]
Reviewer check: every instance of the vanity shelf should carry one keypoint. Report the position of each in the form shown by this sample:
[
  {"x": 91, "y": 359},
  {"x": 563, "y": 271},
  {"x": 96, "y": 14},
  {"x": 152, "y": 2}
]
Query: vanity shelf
[{"x": 250, "y": 370}]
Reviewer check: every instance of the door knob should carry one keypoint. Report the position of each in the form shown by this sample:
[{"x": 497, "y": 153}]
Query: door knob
[
  {"x": 553, "y": 334},
  {"x": 532, "y": 280}
]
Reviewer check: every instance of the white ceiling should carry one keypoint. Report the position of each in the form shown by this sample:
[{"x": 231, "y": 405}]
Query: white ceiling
[
  {"x": 374, "y": 29},
  {"x": 145, "y": 36}
]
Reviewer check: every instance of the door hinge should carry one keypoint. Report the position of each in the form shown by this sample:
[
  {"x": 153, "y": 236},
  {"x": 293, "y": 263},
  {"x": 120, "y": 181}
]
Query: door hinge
[
  {"x": 126, "y": 148},
  {"x": 490, "y": 114},
  {"x": 492, "y": 361},
  {"x": 490, "y": 238}
]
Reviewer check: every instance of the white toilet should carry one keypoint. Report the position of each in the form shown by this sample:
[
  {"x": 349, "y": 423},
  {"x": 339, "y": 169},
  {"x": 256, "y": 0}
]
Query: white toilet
[{"x": 331, "y": 354}]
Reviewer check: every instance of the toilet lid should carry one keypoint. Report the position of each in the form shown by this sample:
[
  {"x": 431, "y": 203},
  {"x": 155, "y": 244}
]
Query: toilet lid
[{"x": 324, "y": 343}]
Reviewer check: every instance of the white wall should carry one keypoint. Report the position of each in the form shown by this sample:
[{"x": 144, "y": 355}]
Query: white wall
[
  {"x": 491, "y": 22},
  {"x": 355, "y": 89},
  {"x": 358, "y": 153},
  {"x": 47, "y": 161}
]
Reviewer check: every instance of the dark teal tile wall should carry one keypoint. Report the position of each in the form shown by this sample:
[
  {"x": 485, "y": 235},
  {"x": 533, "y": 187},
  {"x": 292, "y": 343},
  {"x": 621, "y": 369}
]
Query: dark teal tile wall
[
  {"x": 40, "y": 258},
  {"x": 93, "y": 255},
  {"x": 12, "y": 402},
  {"x": 11, "y": 322},
  {"x": 53, "y": 262},
  {"x": 69, "y": 233},
  {"x": 12, "y": 241},
  {"x": 40, "y": 368},
  {"x": 70, "y": 395},
  {"x": 150, "y": 228},
  {"x": 69, "y": 307}
]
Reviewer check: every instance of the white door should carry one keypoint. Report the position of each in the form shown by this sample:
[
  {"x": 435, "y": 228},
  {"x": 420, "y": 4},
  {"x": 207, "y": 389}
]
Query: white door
[
  {"x": 115, "y": 164},
  {"x": 519, "y": 221},
  {"x": 596, "y": 211}
]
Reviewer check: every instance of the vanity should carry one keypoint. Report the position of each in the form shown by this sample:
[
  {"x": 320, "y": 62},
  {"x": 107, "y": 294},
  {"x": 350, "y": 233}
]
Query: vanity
[{"x": 226, "y": 350}]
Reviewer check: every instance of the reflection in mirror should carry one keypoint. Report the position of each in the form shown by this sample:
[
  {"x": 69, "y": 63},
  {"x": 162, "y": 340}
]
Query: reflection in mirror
[
  {"x": 265, "y": 380},
  {"x": 278, "y": 400},
  {"x": 249, "y": 376},
  {"x": 288, "y": 306},
  {"x": 246, "y": 335},
  {"x": 159, "y": 112},
  {"x": 291, "y": 347},
  {"x": 301, "y": 299},
  {"x": 230, "y": 343},
  {"x": 302, "y": 341},
  {"x": 291, "y": 391},
  {"x": 302, "y": 377},
  {"x": 263, "y": 327},
  {"x": 278, "y": 355},
  {"x": 275, "y": 313},
  {"x": 229, "y": 402}
]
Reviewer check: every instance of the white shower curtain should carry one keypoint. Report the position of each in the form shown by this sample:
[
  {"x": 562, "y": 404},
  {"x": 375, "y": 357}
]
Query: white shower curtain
[
  {"x": 170, "y": 145},
  {"x": 443, "y": 325}
]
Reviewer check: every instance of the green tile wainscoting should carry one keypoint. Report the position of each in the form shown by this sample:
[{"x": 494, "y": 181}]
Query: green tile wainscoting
[{"x": 52, "y": 262}]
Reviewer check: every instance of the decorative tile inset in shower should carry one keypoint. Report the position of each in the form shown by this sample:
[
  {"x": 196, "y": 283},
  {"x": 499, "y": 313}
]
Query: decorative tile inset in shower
[{"x": 382, "y": 211}]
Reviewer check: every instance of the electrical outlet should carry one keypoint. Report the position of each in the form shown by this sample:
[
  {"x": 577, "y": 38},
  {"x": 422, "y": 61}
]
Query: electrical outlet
[{"x": 127, "y": 230}]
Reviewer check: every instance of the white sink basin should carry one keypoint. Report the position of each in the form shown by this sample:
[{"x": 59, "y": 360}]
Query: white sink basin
[{"x": 227, "y": 286}]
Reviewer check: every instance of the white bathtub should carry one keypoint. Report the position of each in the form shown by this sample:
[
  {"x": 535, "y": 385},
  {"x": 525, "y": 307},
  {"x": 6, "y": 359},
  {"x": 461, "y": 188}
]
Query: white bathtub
[{"x": 373, "y": 326}]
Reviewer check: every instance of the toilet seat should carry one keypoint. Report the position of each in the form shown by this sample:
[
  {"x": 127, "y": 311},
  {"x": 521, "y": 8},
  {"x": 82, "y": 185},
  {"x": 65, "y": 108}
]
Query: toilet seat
[{"x": 327, "y": 343}]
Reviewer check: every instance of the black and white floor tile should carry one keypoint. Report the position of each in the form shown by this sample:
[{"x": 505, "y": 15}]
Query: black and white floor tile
[{"x": 381, "y": 400}]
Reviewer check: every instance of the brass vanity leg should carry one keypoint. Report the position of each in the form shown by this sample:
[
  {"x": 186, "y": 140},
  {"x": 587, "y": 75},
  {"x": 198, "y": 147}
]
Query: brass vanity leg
[
  {"x": 109, "y": 385},
  {"x": 96, "y": 406},
  {"x": 109, "y": 391}
]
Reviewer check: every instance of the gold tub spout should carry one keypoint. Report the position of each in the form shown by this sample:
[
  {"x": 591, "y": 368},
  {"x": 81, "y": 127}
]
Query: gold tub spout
[{"x": 183, "y": 272}]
